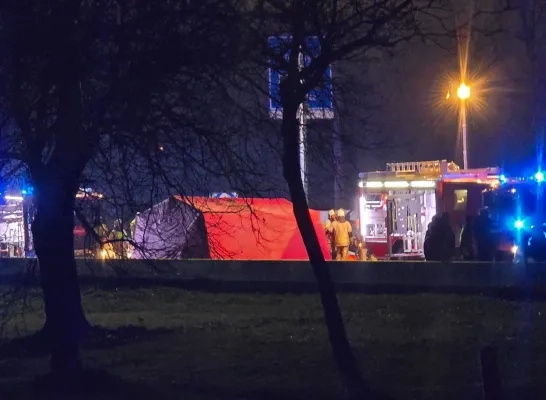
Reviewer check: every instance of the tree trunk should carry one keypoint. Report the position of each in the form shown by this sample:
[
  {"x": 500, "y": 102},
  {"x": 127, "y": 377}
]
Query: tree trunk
[
  {"x": 52, "y": 231},
  {"x": 343, "y": 354}
]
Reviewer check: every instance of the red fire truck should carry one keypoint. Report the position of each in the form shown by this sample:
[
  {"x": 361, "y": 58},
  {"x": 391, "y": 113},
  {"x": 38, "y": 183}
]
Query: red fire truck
[
  {"x": 396, "y": 205},
  {"x": 88, "y": 203}
]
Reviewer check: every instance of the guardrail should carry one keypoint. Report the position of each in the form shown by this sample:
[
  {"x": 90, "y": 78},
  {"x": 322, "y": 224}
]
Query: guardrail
[{"x": 388, "y": 276}]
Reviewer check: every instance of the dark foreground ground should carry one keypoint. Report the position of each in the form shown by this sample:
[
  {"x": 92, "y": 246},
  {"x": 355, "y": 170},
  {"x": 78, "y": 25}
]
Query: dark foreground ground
[{"x": 168, "y": 343}]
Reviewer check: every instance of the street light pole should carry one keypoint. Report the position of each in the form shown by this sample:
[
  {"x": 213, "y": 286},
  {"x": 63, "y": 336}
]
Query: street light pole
[
  {"x": 337, "y": 161},
  {"x": 463, "y": 93},
  {"x": 464, "y": 129}
]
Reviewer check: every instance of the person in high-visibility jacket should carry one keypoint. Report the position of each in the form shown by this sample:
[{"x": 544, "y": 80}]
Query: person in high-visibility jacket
[
  {"x": 329, "y": 231},
  {"x": 101, "y": 229},
  {"x": 132, "y": 226},
  {"x": 132, "y": 232},
  {"x": 118, "y": 236},
  {"x": 342, "y": 235}
]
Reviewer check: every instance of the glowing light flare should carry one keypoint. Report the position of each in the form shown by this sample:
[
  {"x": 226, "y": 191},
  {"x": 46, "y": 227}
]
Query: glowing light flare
[
  {"x": 518, "y": 224},
  {"x": 539, "y": 176},
  {"x": 423, "y": 184},
  {"x": 13, "y": 198},
  {"x": 514, "y": 250},
  {"x": 396, "y": 184},
  {"x": 463, "y": 91},
  {"x": 480, "y": 83}
]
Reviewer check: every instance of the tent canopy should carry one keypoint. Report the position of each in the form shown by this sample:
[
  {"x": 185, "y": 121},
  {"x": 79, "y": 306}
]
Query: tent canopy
[{"x": 241, "y": 228}]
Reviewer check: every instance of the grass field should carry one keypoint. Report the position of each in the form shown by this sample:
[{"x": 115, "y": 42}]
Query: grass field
[{"x": 195, "y": 345}]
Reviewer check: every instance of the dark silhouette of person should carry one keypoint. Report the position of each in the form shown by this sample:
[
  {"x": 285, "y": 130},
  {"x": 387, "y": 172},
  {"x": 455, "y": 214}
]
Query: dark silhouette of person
[
  {"x": 468, "y": 244},
  {"x": 484, "y": 236},
  {"x": 428, "y": 244},
  {"x": 439, "y": 239},
  {"x": 536, "y": 245}
]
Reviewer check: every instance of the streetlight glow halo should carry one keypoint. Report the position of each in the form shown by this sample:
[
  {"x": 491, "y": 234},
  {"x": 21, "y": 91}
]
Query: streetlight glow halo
[{"x": 463, "y": 91}]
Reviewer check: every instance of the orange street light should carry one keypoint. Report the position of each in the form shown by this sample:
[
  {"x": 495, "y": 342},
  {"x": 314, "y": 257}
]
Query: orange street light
[{"x": 463, "y": 91}]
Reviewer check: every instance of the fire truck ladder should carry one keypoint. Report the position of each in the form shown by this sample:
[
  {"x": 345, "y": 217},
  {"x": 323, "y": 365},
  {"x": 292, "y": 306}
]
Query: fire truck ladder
[{"x": 439, "y": 166}]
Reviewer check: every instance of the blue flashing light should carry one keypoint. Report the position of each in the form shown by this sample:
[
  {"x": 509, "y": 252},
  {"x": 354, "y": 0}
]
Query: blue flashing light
[
  {"x": 502, "y": 178},
  {"x": 539, "y": 176},
  {"x": 27, "y": 191},
  {"x": 518, "y": 224}
]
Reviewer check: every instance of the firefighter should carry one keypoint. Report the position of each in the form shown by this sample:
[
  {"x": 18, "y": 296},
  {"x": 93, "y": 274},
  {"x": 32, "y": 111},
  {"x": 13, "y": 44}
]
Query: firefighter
[
  {"x": 329, "y": 231},
  {"x": 101, "y": 229},
  {"x": 362, "y": 253},
  {"x": 118, "y": 235},
  {"x": 342, "y": 235},
  {"x": 132, "y": 226}
]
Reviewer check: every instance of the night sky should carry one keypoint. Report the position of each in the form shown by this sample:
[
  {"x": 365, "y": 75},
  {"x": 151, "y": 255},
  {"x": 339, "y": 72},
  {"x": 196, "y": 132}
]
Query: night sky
[{"x": 421, "y": 124}]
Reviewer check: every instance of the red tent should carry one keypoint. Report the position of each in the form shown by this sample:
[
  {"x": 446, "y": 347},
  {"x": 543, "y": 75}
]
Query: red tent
[
  {"x": 244, "y": 229},
  {"x": 254, "y": 229}
]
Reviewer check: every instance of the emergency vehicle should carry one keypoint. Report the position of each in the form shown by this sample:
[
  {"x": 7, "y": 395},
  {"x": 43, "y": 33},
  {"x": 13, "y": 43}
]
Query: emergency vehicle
[
  {"x": 89, "y": 203},
  {"x": 13, "y": 232},
  {"x": 397, "y": 205},
  {"x": 17, "y": 212},
  {"x": 516, "y": 208}
]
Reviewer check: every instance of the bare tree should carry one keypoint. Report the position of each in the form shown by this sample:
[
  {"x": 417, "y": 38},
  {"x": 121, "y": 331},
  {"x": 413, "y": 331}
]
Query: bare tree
[
  {"x": 530, "y": 31},
  {"x": 346, "y": 30},
  {"x": 118, "y": 92}
]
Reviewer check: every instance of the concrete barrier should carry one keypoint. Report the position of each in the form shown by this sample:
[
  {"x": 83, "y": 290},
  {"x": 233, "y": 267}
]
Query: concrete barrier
[{"x": 388, "y": 276}]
